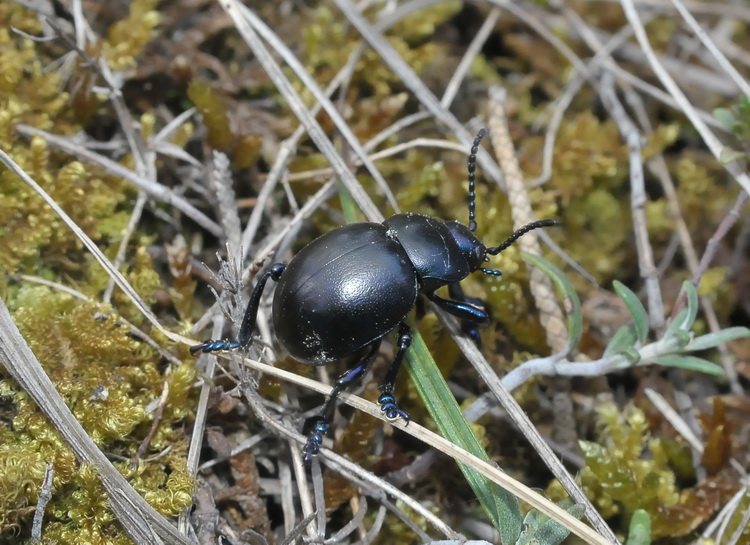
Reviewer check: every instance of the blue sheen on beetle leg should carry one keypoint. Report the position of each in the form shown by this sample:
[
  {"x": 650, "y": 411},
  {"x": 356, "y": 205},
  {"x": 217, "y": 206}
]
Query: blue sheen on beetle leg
[
  {"x": 315, "y": 439},
  {"x": 461, "y": 310},
  {"x": 322, "y": 422},
  {"x": 214, "y": 346},
  {"x": 244, "y": 339},
  {"x": 386, "y": 400},
  {"x": 390, "y": 408}
]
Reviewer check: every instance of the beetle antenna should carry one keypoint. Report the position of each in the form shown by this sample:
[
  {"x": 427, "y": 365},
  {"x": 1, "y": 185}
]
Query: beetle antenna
[
  {"x": 512, "y": 238},
  {"x": 472, "y": 165},
  {"x": 519, "y": 233}
]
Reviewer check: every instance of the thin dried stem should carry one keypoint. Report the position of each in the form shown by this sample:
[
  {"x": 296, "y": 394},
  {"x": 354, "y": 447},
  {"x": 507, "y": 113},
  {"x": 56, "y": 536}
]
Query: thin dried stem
[{"x": 712, "y": 142}]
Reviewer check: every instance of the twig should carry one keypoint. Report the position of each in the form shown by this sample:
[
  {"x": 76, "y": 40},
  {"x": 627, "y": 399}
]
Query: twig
[
  {"x": 469, "y": 55},
  {"x": 712, "y": 48},
  {"x": 410, "y": 79},
  {"x": 638, "y": 199},
  {"x": 143, "y": 447},
  {"x": 713, "y": 143},
  {"x": 154, "y": 189},
  {"x": 711, "y": 248},
  {"x": 122, "y": 247},
  {"x": 45, "y": 495},
  {"x": 282, "y": 83}
]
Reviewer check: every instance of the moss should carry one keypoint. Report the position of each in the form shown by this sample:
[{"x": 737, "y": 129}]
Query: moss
[
  {"x": 108, "y": 380},
  {"x": 213, "y": 110},
  {"x": 628, "y": 469},
  {"x": 329, "y": 39},
  {"x": 127, "y": 37}
]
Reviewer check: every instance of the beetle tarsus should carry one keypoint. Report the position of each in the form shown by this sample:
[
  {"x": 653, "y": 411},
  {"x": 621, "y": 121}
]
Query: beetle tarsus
[
  {"x": 244, "y": 339},
  {"x": 315, "y": 439},
  {"x": 214, "y": 346},
  {"x": 390, "y": 408}
]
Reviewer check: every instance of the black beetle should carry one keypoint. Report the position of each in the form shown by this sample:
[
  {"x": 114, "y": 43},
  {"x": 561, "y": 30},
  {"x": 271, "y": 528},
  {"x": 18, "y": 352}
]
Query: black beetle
[{"x": 346, "y": 290}]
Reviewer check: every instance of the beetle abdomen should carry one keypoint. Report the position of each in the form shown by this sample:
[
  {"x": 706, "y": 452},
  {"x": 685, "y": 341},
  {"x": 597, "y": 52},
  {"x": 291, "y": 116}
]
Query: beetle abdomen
[{"x": 341, "y": 292}]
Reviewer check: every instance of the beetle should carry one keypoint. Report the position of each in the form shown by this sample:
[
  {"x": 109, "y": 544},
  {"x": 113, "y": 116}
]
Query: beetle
[{"x": 346, "y": 290}]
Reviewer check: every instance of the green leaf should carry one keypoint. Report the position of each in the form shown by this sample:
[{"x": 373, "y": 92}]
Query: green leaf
[
  {"x": 640, "y": 317},
  {"x": 624, "y": 338},
  {"x": 692, "y": 304},
  {"x": 712, "y": 340},
  {"x": 640, "y": 528},
  {"x": 689, "y": 363},
  {"x": 678, "y": 323},
  {"x": 571, "y": 302},
  {"x": 726, "y": 118},
  {"x": 500, "y": 506},
  {"x": 541, "y": 529},
  {"x": 730, "y": 155},
  {"x": 686, "y": 317},
  {"x": 348, "y": 206}
]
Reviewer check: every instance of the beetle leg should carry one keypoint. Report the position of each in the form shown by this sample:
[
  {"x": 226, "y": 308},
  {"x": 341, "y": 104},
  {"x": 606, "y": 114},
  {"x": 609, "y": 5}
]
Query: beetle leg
[
  {"x": 386, "y": 400},
  {"x": 457, "y": 294},
  {"x": 461, "y": 310},
  {"x": 321, "y": 423},
  {"x": 248, "y": 322},
  {"x": 468, "y": 310},
  {"x": 469, "y": 328}
]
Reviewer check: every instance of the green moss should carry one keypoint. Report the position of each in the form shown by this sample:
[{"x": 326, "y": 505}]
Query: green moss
[
  {"x": 329, "y": 39},
  {"x": 628, "y": 469},
  {"x": 108, "y": 380},
  {"x": 127, "y": 37},
  {"x": 212, "y": 109}
]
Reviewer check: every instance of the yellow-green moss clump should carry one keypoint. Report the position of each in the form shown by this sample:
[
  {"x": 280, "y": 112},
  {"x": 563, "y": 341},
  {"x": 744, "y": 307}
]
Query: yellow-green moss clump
[
  {"x": 31, "y": 94},
  {"x": 628, "y": 469},
  {"x": 108, "y": 380}
]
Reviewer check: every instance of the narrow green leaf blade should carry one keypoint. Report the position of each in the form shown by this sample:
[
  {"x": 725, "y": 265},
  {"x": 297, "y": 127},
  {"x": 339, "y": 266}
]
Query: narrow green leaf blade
[
  {"x": 692, "y": 305},
  {"x": 639, "y": 314},
  {"x": 689, "y": 363},
  {"x": 571, "y": 302},
  {"x": 712, "y": 340},
  {"x": 500, "y": 506}
]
